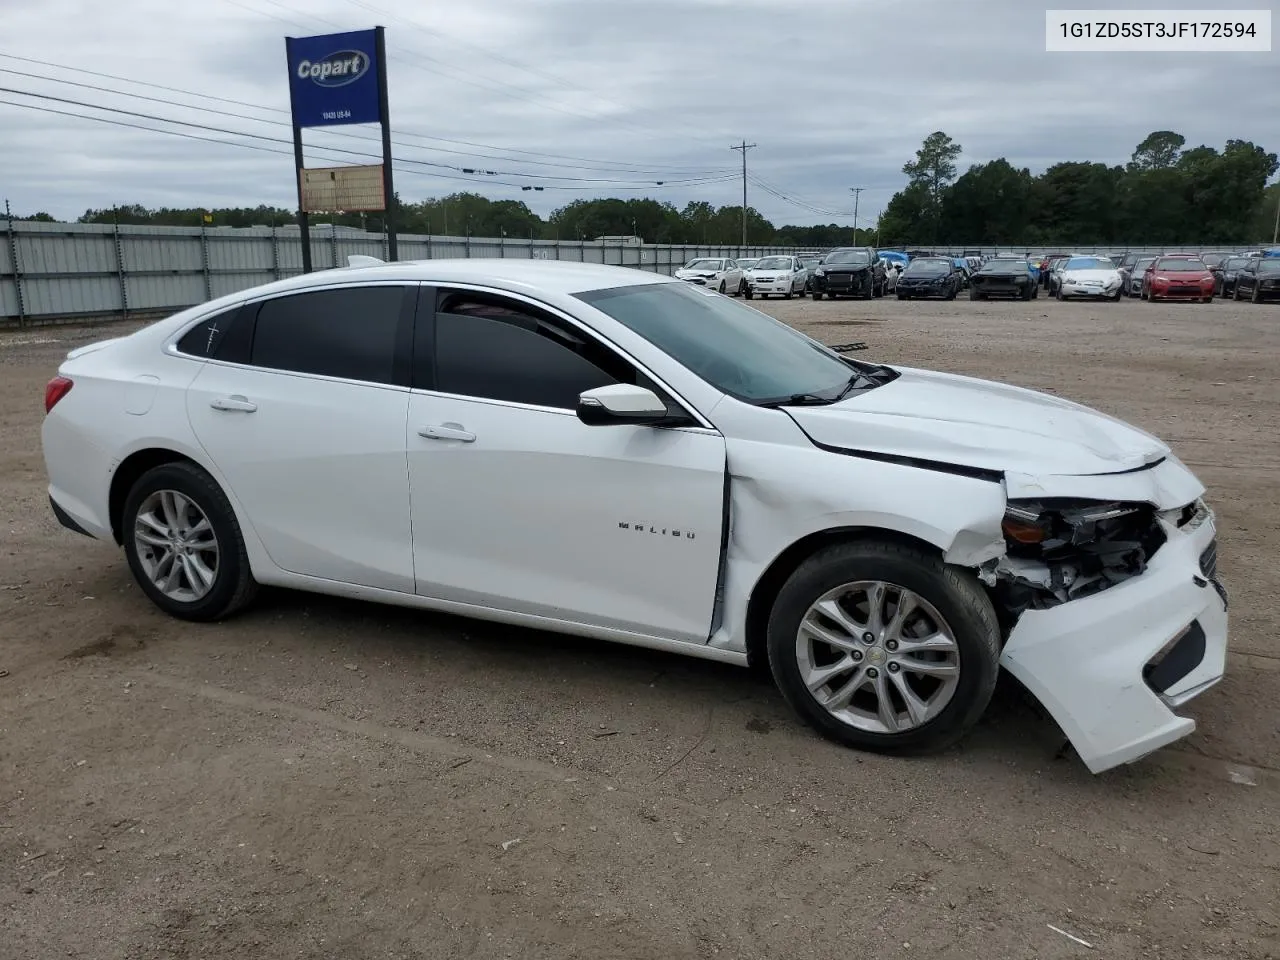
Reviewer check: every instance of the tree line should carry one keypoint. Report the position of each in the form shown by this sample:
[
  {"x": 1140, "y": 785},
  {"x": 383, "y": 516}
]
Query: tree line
[{"x": 1165, "y": 194}]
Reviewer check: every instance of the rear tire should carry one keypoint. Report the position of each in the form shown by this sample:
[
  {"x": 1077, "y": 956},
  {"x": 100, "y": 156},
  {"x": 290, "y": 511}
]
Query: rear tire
[
  {"x": 817, "y": 295},
  {"x": 722, "y": 287},
  {"x": 951, "y": 603},
  {"x": 182, "y": 498},
  {"x": 973, "y": 294}
]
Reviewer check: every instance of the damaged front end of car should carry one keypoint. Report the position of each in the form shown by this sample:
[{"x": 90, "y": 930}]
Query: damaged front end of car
[
  {"x": 1058, "y": 550},
  {"x": 1113, "y": 613}
]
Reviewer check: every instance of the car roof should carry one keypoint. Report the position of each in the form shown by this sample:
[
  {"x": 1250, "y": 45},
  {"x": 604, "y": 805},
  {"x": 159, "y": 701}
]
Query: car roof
[{"x": 555, "y": 276}]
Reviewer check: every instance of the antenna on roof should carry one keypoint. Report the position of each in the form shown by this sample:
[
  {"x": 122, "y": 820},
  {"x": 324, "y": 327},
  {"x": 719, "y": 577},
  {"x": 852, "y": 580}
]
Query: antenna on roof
[{"x": 358, "y": 260}]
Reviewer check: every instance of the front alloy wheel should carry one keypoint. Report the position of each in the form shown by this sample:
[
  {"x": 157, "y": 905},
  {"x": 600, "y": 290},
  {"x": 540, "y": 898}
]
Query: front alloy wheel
[
  {"x": 882, "y": 646},
  {"x": 877, "y": 656}
]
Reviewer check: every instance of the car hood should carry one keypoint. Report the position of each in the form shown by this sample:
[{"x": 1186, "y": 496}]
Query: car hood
[
  {"x": 964, "y": 421},
  {"x": 1082, "y": 276},
  {"x": 682, "y": 272}
]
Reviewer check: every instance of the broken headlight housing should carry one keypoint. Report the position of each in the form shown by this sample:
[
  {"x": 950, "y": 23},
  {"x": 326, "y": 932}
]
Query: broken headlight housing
[{"x": 1061, "y": 549}]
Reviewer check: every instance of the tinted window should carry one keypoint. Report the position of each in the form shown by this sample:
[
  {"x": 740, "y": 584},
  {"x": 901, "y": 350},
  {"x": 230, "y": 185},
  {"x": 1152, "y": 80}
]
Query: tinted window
[
  {"x": 736, "y": 349},
  {"x": 501, "y": 350},
  {"x": 214, "y": 338},
  {"x": 350, "y": 333}
]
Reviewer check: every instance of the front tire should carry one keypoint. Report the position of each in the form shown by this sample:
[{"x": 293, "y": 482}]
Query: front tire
[
  {"x": 882, "y": 646},
  {"x": 817, "y": 294},
  {"x": 183, "y": 544}
]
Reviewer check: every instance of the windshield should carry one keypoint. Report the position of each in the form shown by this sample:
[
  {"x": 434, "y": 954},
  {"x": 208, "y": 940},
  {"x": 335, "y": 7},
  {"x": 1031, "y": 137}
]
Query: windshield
[
  {"x": 925, "y": 267},
  {"x": 741, "y": 351},
  {"x": 1269, "y": 265},
  {"x": 1143, "y": 263},
  {"x": 1089, "y": 263},
  {"x": 747, "y": 262},
  {"x": 1017, "y": 266},
  {"x": 774, "y": 263},
  {"x": 703, "y": 264},
  {"x": 848, "y": 256},
  {"x": 1235, "y": 263},
  {"x": 1182, "y": 265},
  {"x": 810, "y": 262}
]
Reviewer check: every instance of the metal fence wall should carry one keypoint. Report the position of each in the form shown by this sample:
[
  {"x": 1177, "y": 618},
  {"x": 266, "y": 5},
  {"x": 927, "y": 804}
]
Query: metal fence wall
[
  {"x": 75, "y": 271},
  {"x": 79, "y": 271}
]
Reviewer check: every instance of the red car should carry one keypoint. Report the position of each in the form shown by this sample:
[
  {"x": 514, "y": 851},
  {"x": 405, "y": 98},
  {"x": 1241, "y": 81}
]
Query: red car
[{"x": 1178, "y": 278}]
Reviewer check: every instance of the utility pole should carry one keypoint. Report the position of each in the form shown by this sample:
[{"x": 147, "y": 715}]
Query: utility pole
[
  {"x": 744, "y": 147},
  {"x": 857, "y": 193}
]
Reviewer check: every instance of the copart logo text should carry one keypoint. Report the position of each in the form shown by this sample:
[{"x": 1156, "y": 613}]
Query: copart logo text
[{"x": 337, "y": 69}]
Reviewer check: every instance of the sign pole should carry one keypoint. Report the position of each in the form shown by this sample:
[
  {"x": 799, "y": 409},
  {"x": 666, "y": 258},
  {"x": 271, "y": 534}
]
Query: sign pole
[
  {"x": 388, "y": 185},
  {"x": 304, "y": 223}
]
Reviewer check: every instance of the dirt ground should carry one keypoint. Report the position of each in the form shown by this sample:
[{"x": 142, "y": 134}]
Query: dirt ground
[{"x": 329, "y": 779}]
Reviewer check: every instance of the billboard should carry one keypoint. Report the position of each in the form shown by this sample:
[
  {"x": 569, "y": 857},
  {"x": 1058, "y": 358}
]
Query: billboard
[
  {"x": 343, "y": 189},
  {"x": 333, "y": 79}
]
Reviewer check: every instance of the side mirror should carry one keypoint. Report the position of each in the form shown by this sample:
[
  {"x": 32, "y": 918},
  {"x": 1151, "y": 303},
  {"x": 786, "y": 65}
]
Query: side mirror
[{"x": 621, "y": 403}]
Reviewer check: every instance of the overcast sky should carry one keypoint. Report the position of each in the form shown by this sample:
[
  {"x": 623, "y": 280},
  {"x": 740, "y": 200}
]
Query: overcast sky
[{"x": 836, "y": 93}]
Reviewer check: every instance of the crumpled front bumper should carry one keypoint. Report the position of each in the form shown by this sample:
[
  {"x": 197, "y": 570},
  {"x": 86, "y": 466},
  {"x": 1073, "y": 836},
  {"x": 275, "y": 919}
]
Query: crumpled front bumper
[
  {"x": 1089, "y": 290},
  {"x": 1088, "y": 661}
]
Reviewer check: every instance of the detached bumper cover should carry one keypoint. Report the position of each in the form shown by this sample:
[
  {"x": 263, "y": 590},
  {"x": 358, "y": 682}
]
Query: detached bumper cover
[{"x": 1112, "y": 668}]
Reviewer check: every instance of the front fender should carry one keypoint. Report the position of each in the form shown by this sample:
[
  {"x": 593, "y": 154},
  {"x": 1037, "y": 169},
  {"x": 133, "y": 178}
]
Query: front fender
[{"x": 776, "y": 502}]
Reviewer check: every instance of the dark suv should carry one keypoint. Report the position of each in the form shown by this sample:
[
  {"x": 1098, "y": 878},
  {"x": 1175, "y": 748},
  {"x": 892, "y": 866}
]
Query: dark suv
[{"x": 848, "y": 272}]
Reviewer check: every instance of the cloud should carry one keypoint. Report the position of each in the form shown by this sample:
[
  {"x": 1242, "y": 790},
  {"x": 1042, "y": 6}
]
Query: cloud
[{"x": 575, "y": 94}]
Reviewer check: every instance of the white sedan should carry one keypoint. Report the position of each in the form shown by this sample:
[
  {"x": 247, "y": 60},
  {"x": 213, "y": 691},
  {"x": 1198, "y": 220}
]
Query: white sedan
[
  {"x": 1095, "y": 277},
  {"x": 777, "y": 276},
  {"x": 717, "y": 273},
  {"x": 603, "y": 452}
]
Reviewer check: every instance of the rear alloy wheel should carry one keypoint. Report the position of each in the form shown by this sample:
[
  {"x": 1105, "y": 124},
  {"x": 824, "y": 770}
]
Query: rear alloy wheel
[
  {"x": 183, "y": 544},
  {"x": 884, "y": 647}
]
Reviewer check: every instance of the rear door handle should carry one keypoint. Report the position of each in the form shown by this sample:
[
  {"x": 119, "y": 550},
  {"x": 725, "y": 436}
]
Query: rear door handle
[
  {"x": 447, "y": 431},
  {"x": 237, "y": 403}
]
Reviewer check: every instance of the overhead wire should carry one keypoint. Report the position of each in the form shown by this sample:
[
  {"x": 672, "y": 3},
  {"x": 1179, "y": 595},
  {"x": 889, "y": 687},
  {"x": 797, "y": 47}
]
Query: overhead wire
[
  {"x": 588, "y": 163},
  {"x": 404, "y": 165},
  {"x": 278, "y": 123}
]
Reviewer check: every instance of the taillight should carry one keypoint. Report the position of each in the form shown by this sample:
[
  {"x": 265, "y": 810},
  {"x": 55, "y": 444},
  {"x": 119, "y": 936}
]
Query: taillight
[{"x": 55, "y": 390}]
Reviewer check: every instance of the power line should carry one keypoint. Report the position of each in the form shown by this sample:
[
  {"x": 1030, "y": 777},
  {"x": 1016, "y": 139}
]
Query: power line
[
  {"x": 334, "y": 133},
  {"x": 592, "y": 164},
  {"x": 401, "y": 165},
  {"x": 621, "y": 184},
  {"x": 795, "y": 201}
]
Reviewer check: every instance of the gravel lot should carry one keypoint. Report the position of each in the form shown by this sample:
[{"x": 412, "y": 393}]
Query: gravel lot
[{"x": 328, "y": 779}]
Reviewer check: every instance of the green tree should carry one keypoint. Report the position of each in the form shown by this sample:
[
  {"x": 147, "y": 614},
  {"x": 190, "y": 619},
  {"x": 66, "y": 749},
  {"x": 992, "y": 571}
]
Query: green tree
[
  {"x": 934, "y": 169},
  {"x": 990, "y": 203},
  {"x": 1159, "y": 151}
]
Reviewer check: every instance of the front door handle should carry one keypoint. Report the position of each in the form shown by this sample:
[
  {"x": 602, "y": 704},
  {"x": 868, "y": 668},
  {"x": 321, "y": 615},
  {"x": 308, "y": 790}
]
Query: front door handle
[
  {"x": 237, "y": 403},
  {"x": 447, "y": 431}
]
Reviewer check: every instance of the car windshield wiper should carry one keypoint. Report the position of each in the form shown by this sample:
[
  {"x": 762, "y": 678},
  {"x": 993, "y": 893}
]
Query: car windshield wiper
[
  {"x": 862, "y": 380},
  {"x": 796, "y": 400}
]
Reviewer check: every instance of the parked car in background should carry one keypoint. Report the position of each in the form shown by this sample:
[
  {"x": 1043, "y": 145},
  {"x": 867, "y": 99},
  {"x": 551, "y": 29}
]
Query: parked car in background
[
  {"x": 929, "y": 277},
  {"x": 1132, "y": 275},
  {"x": 1258, "y": 280},
  {"x": 849, "y": 271},
  {"x": 810, "y": 265},
  {"x": 1055, "y": 276},
  {"x": 746, "y": 263},
  {"x": 1095, "y": 277},
  {"x": 1178, "y": 278},
  {"x": 1213, "y": 259},
  {"x": 1226, "y": 273},
  {"x": 1004, "y": 278},
  {"x": 718, "y": 273},
  {"x": 776, "y": 277},
  {"x": 892, "y": 271},
  {"x": 962, "y": 266},
  {"x": 1046, "y": 275}
]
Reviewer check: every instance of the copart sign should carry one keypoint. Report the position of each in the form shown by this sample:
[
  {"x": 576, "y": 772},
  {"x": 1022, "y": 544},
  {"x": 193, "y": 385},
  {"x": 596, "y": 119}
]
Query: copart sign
[{"x": 333, "y": 79}]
